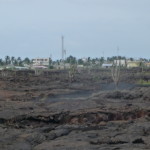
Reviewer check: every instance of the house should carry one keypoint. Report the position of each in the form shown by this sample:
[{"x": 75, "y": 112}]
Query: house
[
  {"x": 133, "y": 64},
  {"x": 11, "y": 67},
  {"x": 84, "y": 60},
  {"x": 21, "y": 68},
  {"x": 107, "y": 65},
  {"x": 67, "y": 65},
  {"x": 62, "y": 66},
  {"x": 39, "y": 67},
  {"x": 59, "y": 66},
  {"x": 41, "y": 61},
  {"x": 80, "y": 66},
  {"x": 120, "y": 62},
  {"x": 147, "y": 64}
]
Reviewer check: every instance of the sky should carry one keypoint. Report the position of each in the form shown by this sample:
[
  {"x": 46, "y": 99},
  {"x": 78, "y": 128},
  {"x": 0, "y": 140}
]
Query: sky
[{"x": 91, "y": 28}]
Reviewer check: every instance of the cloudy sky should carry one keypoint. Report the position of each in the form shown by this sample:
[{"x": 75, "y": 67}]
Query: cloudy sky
[{"x": 33, "y": 28}]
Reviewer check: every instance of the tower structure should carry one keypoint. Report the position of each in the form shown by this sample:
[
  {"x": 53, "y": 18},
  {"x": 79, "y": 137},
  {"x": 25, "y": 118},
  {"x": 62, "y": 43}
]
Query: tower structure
[{"x": 62, "y": 48}]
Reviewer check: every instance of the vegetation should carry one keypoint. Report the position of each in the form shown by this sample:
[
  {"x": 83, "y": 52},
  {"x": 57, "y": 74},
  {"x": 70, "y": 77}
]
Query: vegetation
[
  {"x": 72, "y": 72},
  {"x": 143, "y": 82},
  {"x": 115, "y": 72},
  {"x": 87, "y": 62},
  {"x": 14, "y": 61}
]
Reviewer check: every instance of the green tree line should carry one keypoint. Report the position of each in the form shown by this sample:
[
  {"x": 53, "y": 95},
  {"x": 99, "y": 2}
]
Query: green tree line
[{"x": 14, "y": 61}]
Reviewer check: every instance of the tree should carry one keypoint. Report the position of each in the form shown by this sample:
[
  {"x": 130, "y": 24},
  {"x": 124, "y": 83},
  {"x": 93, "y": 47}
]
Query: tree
[
  {"x": 131, "y": 59},
  {"x": 19, "y": 61},
  {"x": 89, "y": 59},
  {"x": 101, "y": 60},
  {"x": 115, "y": 72},
  {"x": 27, "y": 61},
  {"x": 15, "y": 62},
  {"x": 71, "y": 60},
  {"x": 80, "y": 62},
  {"x": 93, "y": 61},
  {"x": 7, "y": 60},
  {"x": 72, "y": 72},
  {"x": 1, "y": 62},
  {"x": 142, "y": 66},
  {"x": 12, "y": 59}
]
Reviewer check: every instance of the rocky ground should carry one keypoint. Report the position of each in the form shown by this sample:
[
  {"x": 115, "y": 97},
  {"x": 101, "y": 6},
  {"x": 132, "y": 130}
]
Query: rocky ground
[{"x": 47, "y": 112}]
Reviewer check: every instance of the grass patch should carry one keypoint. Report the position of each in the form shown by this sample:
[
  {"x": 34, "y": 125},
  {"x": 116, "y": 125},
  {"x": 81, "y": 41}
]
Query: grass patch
[{"x": 143, "y": 82}]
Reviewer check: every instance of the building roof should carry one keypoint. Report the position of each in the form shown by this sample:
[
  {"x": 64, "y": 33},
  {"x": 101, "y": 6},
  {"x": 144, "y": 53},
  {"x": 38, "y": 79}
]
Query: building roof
[
  {"x": 106, "y": 65},
  {"x": 40, "y": 67}
]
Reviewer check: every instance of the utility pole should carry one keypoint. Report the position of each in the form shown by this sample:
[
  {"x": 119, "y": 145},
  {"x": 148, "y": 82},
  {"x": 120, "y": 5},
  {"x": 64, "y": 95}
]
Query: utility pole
[
  {"x": 62, "y": 48},
  {"x": 50, "y": 60},
  {"x": 63, "y": 51}
]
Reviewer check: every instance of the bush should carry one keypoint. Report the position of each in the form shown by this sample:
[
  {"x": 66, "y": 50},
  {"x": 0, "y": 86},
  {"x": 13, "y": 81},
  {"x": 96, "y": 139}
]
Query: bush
[{"x": 143, "y": 82}]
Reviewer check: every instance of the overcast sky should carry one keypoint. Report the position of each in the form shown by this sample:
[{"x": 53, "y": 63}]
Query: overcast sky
[{"x": 33, "y": 28}]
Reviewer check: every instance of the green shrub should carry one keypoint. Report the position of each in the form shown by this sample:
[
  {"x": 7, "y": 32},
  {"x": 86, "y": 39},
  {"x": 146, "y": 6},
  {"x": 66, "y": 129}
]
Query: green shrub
[{"x": 143, "y": 82}]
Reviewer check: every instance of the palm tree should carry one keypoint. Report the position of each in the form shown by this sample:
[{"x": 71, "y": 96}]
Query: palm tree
[
  {"x": 101, "y": 60},
  {"x": 71, "y": 60},
  {"x": 15, "y": 62},
  {"x": 80, "y": 62},
  {"x": 12, "y": 59},
  {"x": 27, "y": 60},
  {"x": 7, "y": 60},
  {"x": 19, "y": 61},
  {"x": 1, "y": 62}
]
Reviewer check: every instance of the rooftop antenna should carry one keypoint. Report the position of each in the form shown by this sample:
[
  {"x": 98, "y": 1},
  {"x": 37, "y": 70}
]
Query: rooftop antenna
[{"x": 65, "y": 54}]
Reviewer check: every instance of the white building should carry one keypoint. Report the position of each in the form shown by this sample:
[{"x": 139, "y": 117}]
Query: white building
[
  {"x": 39, "y": 67},
  {"x": 84, "y": 60},
  {"x": 21, "y": 68},
  {"x": 107, "y": 65},
  {"x": 41, "y": 61},
  {"x": 121, "y": 62}
]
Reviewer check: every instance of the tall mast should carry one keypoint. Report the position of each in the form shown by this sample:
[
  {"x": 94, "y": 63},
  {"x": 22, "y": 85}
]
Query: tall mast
[{"x": 62, "y": 48}]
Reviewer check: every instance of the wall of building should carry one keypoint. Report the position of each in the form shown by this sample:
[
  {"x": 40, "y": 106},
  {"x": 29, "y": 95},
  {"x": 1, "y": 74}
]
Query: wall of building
[{"x": 41, "y": 61}]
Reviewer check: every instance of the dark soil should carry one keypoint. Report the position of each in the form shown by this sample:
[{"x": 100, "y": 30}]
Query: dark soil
[{"x": 47, "y": 112}]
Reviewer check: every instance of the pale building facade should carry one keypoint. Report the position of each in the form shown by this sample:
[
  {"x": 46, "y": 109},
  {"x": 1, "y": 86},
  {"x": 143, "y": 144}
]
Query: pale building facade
[
  {"x": 133, "y": 64},
  {"x": 41, "y": 61},
  {"x": 121, "y": 62}
]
